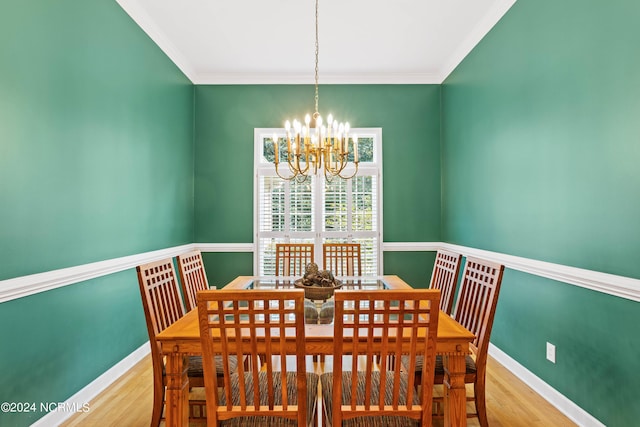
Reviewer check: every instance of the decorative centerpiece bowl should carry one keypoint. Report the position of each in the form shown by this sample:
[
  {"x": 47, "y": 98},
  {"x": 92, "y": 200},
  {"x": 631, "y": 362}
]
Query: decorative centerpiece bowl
[{"x": 317, "y": 284}]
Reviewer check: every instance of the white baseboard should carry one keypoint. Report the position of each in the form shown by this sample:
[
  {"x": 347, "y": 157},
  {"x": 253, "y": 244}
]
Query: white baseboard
[
  {"x": 551, "y": 395},
  {"x": 81, "y": 400}
]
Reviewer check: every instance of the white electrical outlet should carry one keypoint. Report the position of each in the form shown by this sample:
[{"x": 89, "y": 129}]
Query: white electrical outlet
[{"x": 551, "y": 352}]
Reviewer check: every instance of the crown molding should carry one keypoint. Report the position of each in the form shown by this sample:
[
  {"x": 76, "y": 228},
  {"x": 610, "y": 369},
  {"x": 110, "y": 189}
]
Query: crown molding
[
  {"x": 141, "y": 17},
  {"x": 483, "y": 27},
  {"x": 144, "y": 21},
  {"x": 308, "y": 79}
]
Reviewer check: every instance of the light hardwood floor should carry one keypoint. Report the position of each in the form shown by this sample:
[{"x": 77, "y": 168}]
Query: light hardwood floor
[{"x": 510, "y": 403}]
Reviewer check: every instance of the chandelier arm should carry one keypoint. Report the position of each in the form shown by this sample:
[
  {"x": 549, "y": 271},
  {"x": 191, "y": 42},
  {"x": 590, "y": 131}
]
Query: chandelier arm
[
  {"x": 344, "y": 159},
  {"x": 352, "y": 175},
  {"x": 295, "y": 166},
  {"x": 317, "y": 164},
  {"x": 302, "y": 178},
  {"x": 289, "y": 178},
  {"x": 306, "y": 167},
  {"x": 338, "y": 164},
  {"x": 289, "y": 156},
  {"x": 311, "y": 161},
  {"x": 343, "y": 163},
  {"x": 292, "y": 168},
  {"x": 299, "y": 169}
]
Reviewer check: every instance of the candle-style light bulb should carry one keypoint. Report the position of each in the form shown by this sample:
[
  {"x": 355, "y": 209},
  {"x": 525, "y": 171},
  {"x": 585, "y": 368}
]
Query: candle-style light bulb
[{"x": 313, "y": 141}]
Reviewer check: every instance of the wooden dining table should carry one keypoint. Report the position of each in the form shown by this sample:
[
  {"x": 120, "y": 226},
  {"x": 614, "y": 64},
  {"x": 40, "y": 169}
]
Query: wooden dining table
[{"x": 182, "y": 339}]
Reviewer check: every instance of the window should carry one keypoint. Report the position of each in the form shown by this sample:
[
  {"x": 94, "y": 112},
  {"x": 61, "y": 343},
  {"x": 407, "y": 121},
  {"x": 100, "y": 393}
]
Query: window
[{"x": 315, "y": 210}]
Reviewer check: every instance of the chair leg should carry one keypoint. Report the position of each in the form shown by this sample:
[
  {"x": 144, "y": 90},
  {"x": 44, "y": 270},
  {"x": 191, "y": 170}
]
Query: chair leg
[
  {"x": 315, "y": 417},
  {"x": 158, "y": 403},
  {"x": 481, "y": 407}
]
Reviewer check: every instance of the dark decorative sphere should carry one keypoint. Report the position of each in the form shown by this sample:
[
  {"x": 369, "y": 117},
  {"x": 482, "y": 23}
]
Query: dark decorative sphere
[{"x": 312, "y": 267}]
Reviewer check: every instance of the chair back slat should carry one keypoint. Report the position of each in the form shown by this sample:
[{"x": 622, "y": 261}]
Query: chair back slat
[
  {"x": 193, "y": 277},
  {"x": 162, "y": 307},
  {"x": 342, "y": 259},
  {"x": 377, "y": 330},
  {"x": 477, "y": 300},
  {"x": 160, "y": 295},
  {"x": 265, "y": 328},
  {"x": 292, "y": 258},
  {"x": 445, "y": 277}
]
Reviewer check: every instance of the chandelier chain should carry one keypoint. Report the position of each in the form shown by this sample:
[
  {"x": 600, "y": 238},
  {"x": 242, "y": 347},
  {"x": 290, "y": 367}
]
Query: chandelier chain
[
  {"x": 317, "y": 50},
  {"x": 321, "y": 148}
]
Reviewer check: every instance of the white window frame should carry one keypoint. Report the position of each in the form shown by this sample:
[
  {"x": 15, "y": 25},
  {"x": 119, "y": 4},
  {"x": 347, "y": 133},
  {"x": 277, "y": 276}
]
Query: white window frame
[{"x": 264, "y": 168}]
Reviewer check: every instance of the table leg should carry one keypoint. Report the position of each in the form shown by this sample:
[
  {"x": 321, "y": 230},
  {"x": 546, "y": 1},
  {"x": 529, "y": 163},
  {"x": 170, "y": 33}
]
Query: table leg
[
  {"x": 177, "y": 394},
  {"x": 455, "y": 397}
]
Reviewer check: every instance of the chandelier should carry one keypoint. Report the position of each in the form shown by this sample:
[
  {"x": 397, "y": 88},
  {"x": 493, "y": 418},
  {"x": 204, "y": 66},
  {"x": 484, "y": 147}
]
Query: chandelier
[{"x": 314, "y": 147}]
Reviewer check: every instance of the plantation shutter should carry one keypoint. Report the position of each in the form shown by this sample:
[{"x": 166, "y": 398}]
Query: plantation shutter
[{"x": 316, "y": 210}]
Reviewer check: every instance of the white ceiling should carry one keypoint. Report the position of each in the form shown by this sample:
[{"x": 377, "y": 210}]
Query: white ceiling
[{"x": 272, "y": 41}]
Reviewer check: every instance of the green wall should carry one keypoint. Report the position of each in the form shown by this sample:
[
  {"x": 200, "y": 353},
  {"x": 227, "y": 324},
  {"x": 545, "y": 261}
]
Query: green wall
[
  {"x": 409, "y": 116},
  {"x": 540, "y": 159},
  {"x": 96, "y": 162},
  {"x": 529, "y": 148}
]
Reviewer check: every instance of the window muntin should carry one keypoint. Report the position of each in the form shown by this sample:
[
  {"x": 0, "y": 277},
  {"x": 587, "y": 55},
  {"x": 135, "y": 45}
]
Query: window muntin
[{"x": 317, "y": 211}]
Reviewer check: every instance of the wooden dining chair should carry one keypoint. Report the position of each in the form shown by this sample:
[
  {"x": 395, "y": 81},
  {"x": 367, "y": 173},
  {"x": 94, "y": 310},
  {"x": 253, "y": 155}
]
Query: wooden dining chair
[
  {"x": 193, "y": 277},
  {"x": 342, "y": 259},
  {"x": 292, "y": 258},
  {"x": 475, "y": 309},
  {"x": 162, "y": 307},
  {"x": 445, "y": 277},
  {"x": 267, "y": 328},
  {"x": 389, "y": 324}
]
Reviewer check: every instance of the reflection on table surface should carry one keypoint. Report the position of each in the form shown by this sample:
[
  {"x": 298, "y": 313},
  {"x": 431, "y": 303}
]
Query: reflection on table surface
[
  {"x": 348, "y": 283},
  {"x": 318, "y": 311}
]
